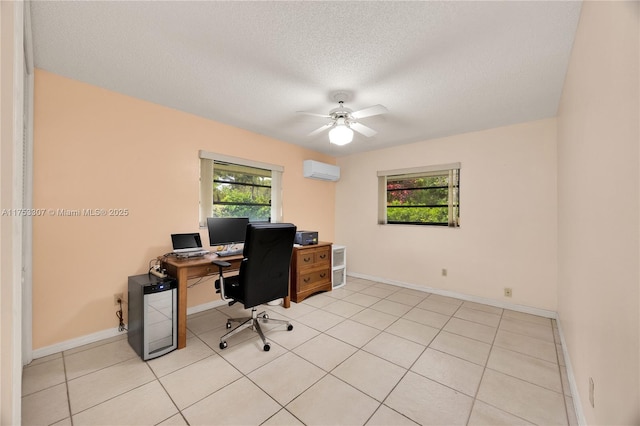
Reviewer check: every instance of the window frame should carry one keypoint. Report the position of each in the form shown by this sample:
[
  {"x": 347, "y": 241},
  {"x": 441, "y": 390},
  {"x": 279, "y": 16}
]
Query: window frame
[
  {"x": 451, "y": 170},
  {"x": 207, "y": 160}
]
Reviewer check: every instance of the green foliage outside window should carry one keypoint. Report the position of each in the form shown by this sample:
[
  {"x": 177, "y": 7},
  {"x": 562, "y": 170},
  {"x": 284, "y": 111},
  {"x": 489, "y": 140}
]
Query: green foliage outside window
[
  {"x": 419, "y": 199},
  {"x": 241, "y": 191}
]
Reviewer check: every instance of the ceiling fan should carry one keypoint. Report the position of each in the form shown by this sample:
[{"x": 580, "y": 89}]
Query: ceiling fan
[{"x": 344, "y": 121}]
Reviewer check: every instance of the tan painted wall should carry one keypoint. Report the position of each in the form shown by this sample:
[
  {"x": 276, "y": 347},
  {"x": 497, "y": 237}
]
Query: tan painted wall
[
  {"x": 507, "y": 236},
  {"x": 598, "y": 221},
  {"x": 98, "y": 149}
]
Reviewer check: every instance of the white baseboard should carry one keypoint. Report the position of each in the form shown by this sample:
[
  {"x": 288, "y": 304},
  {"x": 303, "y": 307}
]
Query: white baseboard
[
  {"x": 106, "y": 334},
  {"x": 497, "y": 303},
  {"x": 74, "y": 343},
  {"x": 577, "y": 404}
]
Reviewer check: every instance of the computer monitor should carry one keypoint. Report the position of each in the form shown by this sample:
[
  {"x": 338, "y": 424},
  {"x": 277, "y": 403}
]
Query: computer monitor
[{"x": 226, "y": 230}]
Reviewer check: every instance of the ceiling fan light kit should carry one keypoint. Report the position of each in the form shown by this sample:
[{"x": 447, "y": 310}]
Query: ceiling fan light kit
[
  {"x": 340, "y": 135},
  {"x": 344, "y": 121}
]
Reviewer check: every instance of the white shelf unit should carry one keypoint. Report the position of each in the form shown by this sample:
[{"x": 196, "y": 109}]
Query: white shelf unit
[{"x": 338, "y": 266}]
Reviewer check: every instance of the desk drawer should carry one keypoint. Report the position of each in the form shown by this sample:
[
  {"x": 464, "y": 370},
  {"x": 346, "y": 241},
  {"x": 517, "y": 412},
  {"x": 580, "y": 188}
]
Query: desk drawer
[
  {"x": 203, "y": 270},
  {"x": 323, "y": 256},
  {"x": 211, "y": 269},
  {"x": 312, "y": 279},
  {"x": 313, "y": 257}
]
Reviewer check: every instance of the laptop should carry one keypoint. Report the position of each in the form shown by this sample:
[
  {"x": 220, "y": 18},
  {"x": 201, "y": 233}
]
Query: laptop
[{"x": 188, "y": 245}]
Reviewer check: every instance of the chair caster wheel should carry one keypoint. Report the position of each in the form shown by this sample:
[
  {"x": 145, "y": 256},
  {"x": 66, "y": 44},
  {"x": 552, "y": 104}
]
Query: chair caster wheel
[
  {"x": 265, "y": 316},
  {"x": 289, "y": 327},
  {"x": 228, "y": 325},
  {"x": 223, "y": 345},
  {"x": 267, "y": 347}
]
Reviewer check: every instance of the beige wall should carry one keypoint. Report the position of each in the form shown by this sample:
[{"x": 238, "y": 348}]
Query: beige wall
[
  {"x": 507, "y": 236},
  {"x": 98, "y": 149},
  {"x": 598, "y": 221}
]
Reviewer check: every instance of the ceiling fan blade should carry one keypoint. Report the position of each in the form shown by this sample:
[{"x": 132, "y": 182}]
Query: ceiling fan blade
[
  {"x": 368, "y": 112},
  {"x": 314, "y": 114},
  {"x": 361, "y": 128},
  {"x": 320, "y": 129}
]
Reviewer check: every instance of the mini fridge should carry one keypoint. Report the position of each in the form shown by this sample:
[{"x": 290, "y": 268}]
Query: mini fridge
[{"x": 153, "y": 307}]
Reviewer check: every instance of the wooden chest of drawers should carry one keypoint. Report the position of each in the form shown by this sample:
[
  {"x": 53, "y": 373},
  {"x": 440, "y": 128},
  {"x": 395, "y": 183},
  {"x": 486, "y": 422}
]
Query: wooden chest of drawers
[{"x": 310, "y": 270}]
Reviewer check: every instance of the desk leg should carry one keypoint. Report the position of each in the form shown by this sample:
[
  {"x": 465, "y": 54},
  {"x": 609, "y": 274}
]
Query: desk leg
[
  {"x": 287, "y": 302},
  {"x": 182, "y": 308}
]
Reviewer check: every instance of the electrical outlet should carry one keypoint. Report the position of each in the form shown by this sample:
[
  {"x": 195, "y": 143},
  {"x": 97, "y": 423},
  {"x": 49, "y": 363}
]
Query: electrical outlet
[
  {"x": 507, "y": 292},
  {"x": 116, "y": 298},
  {"x": 444, "y": 272},
  {"x": 591, "y": 391}
]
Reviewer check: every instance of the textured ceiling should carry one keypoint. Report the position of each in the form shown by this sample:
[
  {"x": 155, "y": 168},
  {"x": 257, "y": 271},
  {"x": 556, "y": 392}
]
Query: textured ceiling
[{"x": 441, "y": 68}]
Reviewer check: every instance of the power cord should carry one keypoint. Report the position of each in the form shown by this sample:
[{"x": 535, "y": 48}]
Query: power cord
[
  {"x": 201, "y": 280},
  {"x": 155, "y": 267},
  {"x": 119, "y": 314}
]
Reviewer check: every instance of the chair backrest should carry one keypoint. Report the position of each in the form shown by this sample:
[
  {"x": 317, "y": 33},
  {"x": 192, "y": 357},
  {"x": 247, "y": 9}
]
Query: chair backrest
[{"x": 264, "y": 272}]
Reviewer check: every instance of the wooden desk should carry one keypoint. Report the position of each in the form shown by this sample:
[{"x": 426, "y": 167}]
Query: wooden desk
[{"x": 183, "y": 270}]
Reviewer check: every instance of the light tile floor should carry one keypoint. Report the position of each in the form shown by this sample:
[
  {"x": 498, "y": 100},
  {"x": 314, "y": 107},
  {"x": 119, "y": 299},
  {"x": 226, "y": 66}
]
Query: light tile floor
[{"x": 368, "y": 353}]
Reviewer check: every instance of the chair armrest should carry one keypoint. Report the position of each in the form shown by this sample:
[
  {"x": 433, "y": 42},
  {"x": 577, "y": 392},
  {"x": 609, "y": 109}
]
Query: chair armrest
[{"x": 221, "y": 263}]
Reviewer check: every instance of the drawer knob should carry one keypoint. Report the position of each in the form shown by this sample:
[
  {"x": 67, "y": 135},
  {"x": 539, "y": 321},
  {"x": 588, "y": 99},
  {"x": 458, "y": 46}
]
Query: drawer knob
[
  {"x": 307, "y": 259},
  {"x": 306, "y": 280},
  {"x": 323, "y": 256},
  {"x": 322, "y": 275}
]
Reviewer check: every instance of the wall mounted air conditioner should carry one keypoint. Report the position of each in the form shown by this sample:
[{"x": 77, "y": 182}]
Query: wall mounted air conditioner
[{"x": 317, "y": 170}]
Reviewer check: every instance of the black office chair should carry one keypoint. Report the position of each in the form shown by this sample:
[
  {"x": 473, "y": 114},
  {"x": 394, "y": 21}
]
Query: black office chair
[{"x": 263, "y": 277}]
